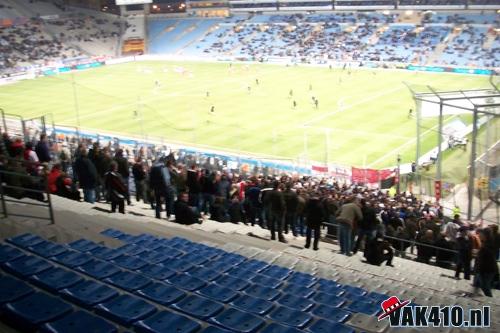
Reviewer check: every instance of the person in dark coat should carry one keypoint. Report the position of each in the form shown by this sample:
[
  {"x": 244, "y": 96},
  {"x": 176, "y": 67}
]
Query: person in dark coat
[
  {"x": 378, "y": 250},
  {"x": 464, "y": 256},
  {"x": 367, "y": 225},
  {"x": 139, "y": 180},
  {"x": 276, "y": 203},
  {"x": 86, "y": 174},
  {"x": 486, "y": 267},
  {"x": 184, "y": 214},
  {"x": 123, "y": 170},
  {"x": 42, "y": 149},
  {"x": 194, "y": 187},
  {"x": 425, "y": 253},
  {"x": 314, "y": 217},
  {"x": 116, "y": 188},
  {"x": 291, "y": 202},
  {"x": 235, "y": 210}
]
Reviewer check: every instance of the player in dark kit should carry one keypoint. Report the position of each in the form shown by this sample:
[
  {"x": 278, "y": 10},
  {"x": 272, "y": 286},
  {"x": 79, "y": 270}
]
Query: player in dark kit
[{"x": 294, "y": 104}]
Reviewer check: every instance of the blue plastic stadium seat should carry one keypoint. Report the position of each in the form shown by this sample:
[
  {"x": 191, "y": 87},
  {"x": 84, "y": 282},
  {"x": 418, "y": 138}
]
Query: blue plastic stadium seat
[
  {"x": 178, "y": 265},
  {"x": 132, "y": 249},
  {"x": 186, "y": 282},
  {"x": 125, "y": 309},
  {"x": 48, "y": 249},
  {"x": 218, "y": 293},
  {"x": 203, "y": 273},
  {"x": 99, "y": 269},
  {"x": 194, "y": 259},
  {"x": 330, "y": 287},
  {"x": 83, "y": 245},
  {"x": 328, "y": 299},
  {"x": 199, "y": 307},
  {"x": 295, "y": 302},
  {"x": 302, "y": 279},
  {"x": 166, "y": 321},
  {"x": 25, "y": 240},
  {"x": 129, "y": 262},
  {"x": 9, "y": 253},
  {"x": 252, "y": 304},
  {"x": 56, "y": 278},
  {"x": 325, "y": 326},
  {"x": 142, "y": 237},
  {"x": 334, "y": 314},
  {"x": 276, "y": 272},
  {"x": 154, "y": 257},
  {"x": 162, "y": 293},
  {"x": 238, "y": 321},
  {"x": 12, "y": 289},
  {"x": 73, "y": 258},
  {"x": 127, "y": 238},
  {"x": 33, "y": 310},
  {"x": 88, "y": 293},
  {"x": 354, "y": 290},
  {"x": 253, "y": 265},
  {"x": 218, "y": 266},
  {"x": 277, "y": 328},
  {"x": 171, "y": 252},
  {"x": 158, "y": 271},
  {"x": 106, "y": 253},
  {"x": 209, "y": 253},
  {"x": 363, "y": 307},
  {"x": 27, "y": 265},
  {"x": 79, "y": 322},
  {"x": 113, "y": 233},
  {"x": 232, "y": 282},
  {"x": 262, "y": 292},
  {"x": 267, "y": 281},
  {"x": 129, "y": 281},
  {"x": 150, "y": 245},
  {"x": 215, "y": 329},
  {"x": 298, "y": 290},
  {"x": 291, "y": 317},
  {"x": 377, "y": 297},
  {"x": 241, "y": 273},
  {"x": 232, "y": 258}
]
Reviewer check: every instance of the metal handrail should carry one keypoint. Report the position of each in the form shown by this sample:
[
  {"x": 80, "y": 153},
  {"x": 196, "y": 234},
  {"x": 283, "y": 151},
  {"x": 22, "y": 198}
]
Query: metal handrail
[
  {"x": 412, "y": 242},
  {"x": 3, "y": 199}
]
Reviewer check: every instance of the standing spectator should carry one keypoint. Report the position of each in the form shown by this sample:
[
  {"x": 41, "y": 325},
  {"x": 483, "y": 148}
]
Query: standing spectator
[
  {"x": 159, "y": 180},
  {"x": 235, "y": 211},
  {"x": 425, "y": 253},
  {"x": 42, "y": 149},
  {"x": 116, "y": 189},
  {"x": 208, "y": 191},
  {"x": 367, "y": 225},
  {"x": 291, "y": 202},
  {"x": 301, "y": 204},
  {"x": 464, "y": 256},
  {"x": 486, "y": 265},
  {"x": 314, "y": 217},
  {"x": 451, "y": 228},
  {"x": 86, "y": 174},
  {"x": 276, "y": 212},
  {"x": 348, "y": 215},
  {"x": 194, "y": 187},
  {"x": 65, "y": 157},
  {"x": 123, "y": 170},
  {"x": 139, "y": 179}
]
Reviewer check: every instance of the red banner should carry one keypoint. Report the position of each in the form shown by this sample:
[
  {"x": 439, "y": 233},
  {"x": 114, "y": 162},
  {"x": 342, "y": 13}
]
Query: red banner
[
  {"x": 319, "y": 168},
  {"x": 371, "y": 176}
]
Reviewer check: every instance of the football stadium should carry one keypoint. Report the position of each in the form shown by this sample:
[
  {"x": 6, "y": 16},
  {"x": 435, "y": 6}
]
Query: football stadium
[{"x": 249, "y": 166}]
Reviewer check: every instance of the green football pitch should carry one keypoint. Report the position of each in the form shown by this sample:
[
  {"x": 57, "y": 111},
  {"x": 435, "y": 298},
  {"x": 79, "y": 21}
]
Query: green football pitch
[{"x": 361, "y": 119}]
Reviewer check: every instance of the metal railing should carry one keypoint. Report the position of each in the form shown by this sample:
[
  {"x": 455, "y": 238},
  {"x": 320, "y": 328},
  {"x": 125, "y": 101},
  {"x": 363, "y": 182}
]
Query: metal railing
[
  {"x": 6, "y": 188},
  {"x": 410, "y": 242}
]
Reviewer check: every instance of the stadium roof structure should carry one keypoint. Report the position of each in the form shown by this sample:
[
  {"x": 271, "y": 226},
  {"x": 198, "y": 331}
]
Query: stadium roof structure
[{"x": 485, "y": 102}]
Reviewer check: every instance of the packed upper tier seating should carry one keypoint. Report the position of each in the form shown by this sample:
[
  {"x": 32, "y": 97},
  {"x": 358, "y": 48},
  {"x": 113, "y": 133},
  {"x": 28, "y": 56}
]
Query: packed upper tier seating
[{"x": 335, "y": 36}]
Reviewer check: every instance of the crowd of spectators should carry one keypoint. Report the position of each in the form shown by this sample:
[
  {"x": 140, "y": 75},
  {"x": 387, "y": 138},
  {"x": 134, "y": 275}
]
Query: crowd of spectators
[{"x": 175, "y": 185}]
